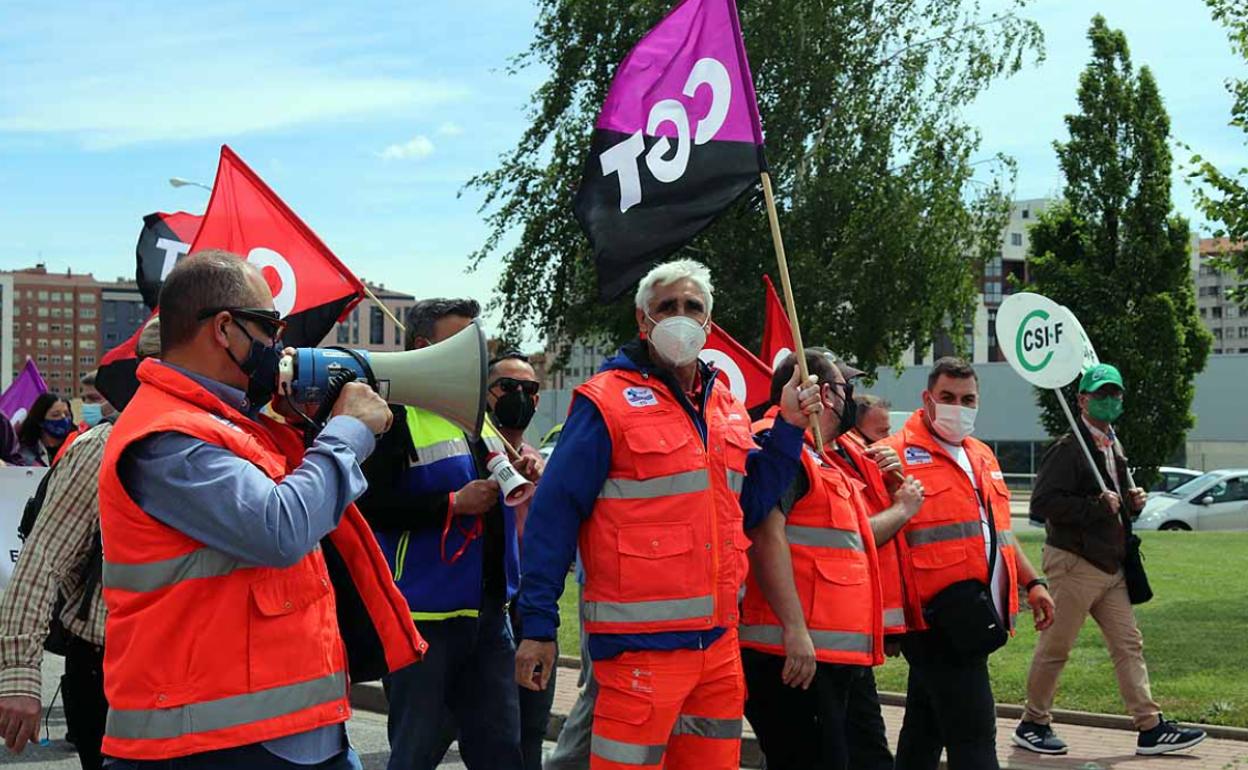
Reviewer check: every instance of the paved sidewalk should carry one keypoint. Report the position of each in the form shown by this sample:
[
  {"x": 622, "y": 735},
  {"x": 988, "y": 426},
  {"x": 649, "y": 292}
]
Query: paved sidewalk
[{"x": 1091, "y": 748}]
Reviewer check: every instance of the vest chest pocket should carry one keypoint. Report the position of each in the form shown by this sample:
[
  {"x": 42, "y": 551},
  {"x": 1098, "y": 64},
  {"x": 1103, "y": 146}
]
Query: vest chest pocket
[
  {"x": 938, "y": 555},
  {"x": 737, "y": 445},
  {"x": 840, "y": 588},
  {"x": 661, "y": 449},
  {"x": 656, "y": 561},
  {"x": 292, "y": 614}
]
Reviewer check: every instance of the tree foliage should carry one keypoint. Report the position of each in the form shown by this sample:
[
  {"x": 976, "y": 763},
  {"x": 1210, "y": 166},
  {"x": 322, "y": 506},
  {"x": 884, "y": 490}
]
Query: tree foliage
[
  {"x": 884, "y": 221},
  {"x": 1225, "y": 199},
  {"x": 1115, "y": 253}
]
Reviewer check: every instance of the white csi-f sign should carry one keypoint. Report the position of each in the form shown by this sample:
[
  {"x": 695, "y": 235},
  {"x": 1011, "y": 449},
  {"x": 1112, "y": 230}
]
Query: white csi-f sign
[{"x": 1041, "y": 339}]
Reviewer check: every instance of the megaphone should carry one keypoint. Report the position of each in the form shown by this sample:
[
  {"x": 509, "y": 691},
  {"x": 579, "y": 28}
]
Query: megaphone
[{"x": 447, "y": 379}]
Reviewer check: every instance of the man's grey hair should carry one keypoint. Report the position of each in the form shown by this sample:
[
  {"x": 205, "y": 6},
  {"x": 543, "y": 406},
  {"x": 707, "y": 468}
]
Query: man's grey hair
[
  {"x": 671, "y": 272},
  {"x": 425, "y": 314},
  {"x": 205, "y": 279}
]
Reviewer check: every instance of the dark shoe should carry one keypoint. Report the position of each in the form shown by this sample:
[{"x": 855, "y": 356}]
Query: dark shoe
[
  {"x": 1038, "y": 738},
  {"x": 1167, "y": 737}
]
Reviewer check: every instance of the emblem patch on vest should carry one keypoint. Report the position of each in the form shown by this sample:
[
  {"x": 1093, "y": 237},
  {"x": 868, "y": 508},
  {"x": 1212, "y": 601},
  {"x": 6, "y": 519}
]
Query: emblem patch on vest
[
  {"x": 998, "y": 475},
  {"x": 640, "y": 397},
  {"x": 917, "y": 456}
]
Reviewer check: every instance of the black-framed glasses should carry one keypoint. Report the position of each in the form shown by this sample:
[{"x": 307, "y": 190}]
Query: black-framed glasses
[
  {"x": 269, "y": 320},
  {"x": 510, "y": 385}
]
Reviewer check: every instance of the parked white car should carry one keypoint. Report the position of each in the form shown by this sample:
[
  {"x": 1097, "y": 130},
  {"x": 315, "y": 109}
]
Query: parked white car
[
  {"x": 1217, "y": 500},
  {"x": 1168, "y": 478}
]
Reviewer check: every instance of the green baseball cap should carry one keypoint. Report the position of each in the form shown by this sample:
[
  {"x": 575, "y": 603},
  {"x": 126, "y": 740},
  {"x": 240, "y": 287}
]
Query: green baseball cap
[{"x": 1099, "y": 376}]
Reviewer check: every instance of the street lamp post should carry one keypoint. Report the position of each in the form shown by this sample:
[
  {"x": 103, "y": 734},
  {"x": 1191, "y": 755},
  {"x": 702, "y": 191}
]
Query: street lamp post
[{"x": 178, "y": 181}]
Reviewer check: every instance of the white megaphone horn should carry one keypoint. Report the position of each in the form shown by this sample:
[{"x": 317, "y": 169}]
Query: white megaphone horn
[{"x": 447, "y": 379}]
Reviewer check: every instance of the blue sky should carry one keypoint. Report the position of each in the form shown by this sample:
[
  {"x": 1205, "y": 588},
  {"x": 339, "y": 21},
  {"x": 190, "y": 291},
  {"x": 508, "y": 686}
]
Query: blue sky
[{"x": 367, "y": 117}]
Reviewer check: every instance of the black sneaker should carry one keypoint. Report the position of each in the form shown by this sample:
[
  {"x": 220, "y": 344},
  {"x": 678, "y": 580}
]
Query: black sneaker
[
  {"x": 1167, "y": 737},
  {"x": 1038, "y": 738}
]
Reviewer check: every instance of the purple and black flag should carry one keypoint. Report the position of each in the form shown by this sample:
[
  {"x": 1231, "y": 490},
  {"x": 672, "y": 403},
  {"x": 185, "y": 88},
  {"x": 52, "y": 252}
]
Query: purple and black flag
[{"x": 677, "y": 142}]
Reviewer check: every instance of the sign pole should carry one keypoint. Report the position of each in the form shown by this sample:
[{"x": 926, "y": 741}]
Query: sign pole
[
  {"x": 790, "y": 305},
  {"x": 1087, "y": 453}
]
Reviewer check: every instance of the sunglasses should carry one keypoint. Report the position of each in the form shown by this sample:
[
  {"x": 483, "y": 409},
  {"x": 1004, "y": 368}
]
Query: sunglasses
[
  {"x": 510, "y": 385},
  {"x": 268, "y": 320}
]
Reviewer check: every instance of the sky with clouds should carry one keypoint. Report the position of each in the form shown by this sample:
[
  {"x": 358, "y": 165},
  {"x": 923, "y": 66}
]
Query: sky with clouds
[{"x": 367, "y": 118}]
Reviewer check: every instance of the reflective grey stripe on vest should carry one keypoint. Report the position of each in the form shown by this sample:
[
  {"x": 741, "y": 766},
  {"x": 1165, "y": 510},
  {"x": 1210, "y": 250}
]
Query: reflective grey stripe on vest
[
  {"x": 152, "y": 575},
  {"x": 158, "y": 724},
  {"x": 736, "y": 481},
  {"x": 833, "y": 641},
  {"x": 495, "y": 444},
  {"x": 943, "y": 532},
  {"x": 443, "y": 450},
  {"x": 823, "y": 537},
  {"x": 894, "y": 616},
  {"x": 626, "y": 753},
  {"x": 641, "y": 612},
  {"x": 707, "y": 727},
  {"x": 659, "y": 486}
]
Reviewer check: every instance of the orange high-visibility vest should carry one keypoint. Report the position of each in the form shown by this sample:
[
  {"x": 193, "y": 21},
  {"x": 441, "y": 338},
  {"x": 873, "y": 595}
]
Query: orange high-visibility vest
[
  {"x": 944, "y": 542},
  {"x": 878, "y": 499},
  {"x": 835, "y": 571},
  {"x": 663, "y": 548},
  {"x": 205, "y": 652}
]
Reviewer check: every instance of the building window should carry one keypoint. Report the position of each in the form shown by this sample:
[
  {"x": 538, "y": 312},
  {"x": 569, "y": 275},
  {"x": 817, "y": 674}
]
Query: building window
[
  {"x": 1217, "y": 334},
  {"x": 398, "y": 333},
  {"x": 87, "y": 312},
  {"x": 43, "y": 296},
  {"x": 1203, "y": 312},
  {"x": 56, "y": 297},
  {"x": 43, "y": 344},
  {"x": 1016, "y": 239},
  {"x": 86, "y": 360},
  {"x": 355, "y": 326},
  {"x": 1217, "y": 351},
  {"x": 56, "y": 344},
  {"x": 41, "y": 359},
  {"x": 1026, "y": 213},
  {"x": 1243, "y": 332},
  {"x": 86, "y": 328},
  {"x": 86, "y": 344},
  {"x": 376, "y": 326},
  {"x": 110, "y": 338},
  {"x": 56, "y": 312},
  {"x": 1217, "y": 312},
  {"x": 86, "y": 299},
  {"x": 42, "y": 312},
  {"x": 342, "y": 334},
  {"x": 42, "y": 326}
]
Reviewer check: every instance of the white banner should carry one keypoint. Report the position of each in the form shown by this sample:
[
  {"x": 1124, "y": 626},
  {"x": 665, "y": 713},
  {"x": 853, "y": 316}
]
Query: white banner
[{"x": 17, "y": 485}]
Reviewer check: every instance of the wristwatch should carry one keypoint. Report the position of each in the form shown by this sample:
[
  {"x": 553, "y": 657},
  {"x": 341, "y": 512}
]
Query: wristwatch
[{"x": 1037, "y": 582}]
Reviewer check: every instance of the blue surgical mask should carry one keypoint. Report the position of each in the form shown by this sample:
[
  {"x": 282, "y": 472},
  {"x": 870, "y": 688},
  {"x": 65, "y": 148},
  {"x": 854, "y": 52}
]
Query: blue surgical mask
[
  {"x": 92, "y": 414},
  {"x": 58, "y": 428}
]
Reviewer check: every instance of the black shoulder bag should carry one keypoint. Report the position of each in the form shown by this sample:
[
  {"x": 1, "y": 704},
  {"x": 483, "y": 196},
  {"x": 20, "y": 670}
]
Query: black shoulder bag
[{"x": 964, "y": 612}]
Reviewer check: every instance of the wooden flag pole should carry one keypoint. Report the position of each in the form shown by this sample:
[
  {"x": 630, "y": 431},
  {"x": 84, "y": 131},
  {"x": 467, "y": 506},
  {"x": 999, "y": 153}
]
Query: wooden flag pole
[
  {"x": 368, "y": 293},
  {"x": 790, "y": 305}
]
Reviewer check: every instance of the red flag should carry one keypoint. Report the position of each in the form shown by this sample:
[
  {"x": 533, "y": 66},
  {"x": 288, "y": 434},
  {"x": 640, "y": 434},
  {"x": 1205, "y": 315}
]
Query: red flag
[
  {"x": 311, "y": 288},
  {"x": 777, "y": 332},
  {"x": 747, "y": 377}
]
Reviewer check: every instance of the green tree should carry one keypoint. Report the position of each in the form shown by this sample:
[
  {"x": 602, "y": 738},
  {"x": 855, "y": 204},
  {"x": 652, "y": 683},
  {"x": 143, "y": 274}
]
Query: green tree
[
  {"x": 1117, "y": 255},
  {"x": 884, "y": 223},
  {"x": 1225, "y": 199}
]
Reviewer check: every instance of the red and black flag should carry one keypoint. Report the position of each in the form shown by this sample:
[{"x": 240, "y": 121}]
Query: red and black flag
[
  {"x": 677, "y": 142},
  {"x": 164, "y": 239},
  {"x": 311, "y": 288}
]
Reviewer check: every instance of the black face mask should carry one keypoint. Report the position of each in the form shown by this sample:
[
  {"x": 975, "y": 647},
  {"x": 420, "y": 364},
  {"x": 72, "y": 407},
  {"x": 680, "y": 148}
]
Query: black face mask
[
  {"x": 514, "y": 410},
  {"x": 260, "y": 366},
  {"x": 849, "y": 411}
]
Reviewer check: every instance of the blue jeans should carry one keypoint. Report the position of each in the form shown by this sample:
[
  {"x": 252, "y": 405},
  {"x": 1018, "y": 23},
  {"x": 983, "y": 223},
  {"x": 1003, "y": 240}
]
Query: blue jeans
[
  {"x": 253, "y": 757},
  {"x": 470, "y": 669}
]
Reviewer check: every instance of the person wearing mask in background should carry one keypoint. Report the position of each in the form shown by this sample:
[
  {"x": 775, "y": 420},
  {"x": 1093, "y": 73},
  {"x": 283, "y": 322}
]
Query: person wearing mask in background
[
  {"x": 963, "y": 566},
  {"x": 512, "y": 399},
  {"x": 43, "y": 431},
  {"x": 61, "y": 557},
  {"x": 657, "y": 476},
  {"x": 453, "y": 551},
  {"x": 1084, "y": 549},
  {"x": 227, "y": 545},
  {"x": 10, "y": 453},
  {"x": 872, "y": 423},
  {"x": 95, "y": 408},
  {"x": 811, "y": 619}
]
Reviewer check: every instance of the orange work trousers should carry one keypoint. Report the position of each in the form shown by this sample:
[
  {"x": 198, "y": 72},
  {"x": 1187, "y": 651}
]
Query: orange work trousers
[{"x": 673, "y": 709}]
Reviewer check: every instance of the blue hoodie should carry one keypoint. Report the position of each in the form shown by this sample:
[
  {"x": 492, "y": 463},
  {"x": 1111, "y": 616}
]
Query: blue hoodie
[{"x": 570, "y": 486}]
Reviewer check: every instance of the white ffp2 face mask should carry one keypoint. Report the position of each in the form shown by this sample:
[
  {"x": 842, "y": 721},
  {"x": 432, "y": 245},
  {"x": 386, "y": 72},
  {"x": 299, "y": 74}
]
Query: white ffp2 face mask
[
  {"x": 678, "y": 339},
  {"x": 954, "y": 423}
]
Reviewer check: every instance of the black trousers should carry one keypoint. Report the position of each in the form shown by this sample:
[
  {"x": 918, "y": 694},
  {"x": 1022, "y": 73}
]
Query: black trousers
[
  {"x": 82, "y": 692},
  {"x": 949, "y": 706},
  {"x": 836, "y": 724}
]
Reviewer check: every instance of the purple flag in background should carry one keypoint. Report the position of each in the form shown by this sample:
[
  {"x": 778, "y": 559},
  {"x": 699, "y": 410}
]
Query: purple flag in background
[
  {"x": 22, "y": 392},
  {"x": 677, "y": 141}
]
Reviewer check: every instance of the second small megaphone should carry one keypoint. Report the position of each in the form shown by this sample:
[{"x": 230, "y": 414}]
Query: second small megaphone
[
  {"x": 447, "y": 379},
  {"x": 516, "y": 488}
]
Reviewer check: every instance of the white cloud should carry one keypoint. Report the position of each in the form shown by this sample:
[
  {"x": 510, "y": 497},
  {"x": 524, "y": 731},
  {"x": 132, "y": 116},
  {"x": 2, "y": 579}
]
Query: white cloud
[
  {"x": 450, "y": 129},
  {"x": 413, "y": 149}
]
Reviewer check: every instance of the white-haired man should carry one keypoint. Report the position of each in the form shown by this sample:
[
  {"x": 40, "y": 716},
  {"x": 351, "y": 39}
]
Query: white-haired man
[{"x": 656, "y": 478}]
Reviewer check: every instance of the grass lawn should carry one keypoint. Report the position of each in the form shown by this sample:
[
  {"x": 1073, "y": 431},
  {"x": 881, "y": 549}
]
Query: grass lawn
[{"x": 1195, "y": 635}]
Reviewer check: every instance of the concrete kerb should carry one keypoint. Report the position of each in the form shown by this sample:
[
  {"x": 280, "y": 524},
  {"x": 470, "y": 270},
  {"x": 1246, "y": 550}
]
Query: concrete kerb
[{"x": 369, "y": 696}]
